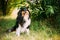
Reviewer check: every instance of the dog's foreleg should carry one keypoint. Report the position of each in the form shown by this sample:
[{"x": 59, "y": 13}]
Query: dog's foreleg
[
  {"x": 27, "y": 31},
  {"x": 18, "y": 30}
]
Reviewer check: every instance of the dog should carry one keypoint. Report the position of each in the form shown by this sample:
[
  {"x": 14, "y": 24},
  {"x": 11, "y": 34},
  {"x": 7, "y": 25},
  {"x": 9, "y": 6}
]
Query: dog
[{"x": 23, "y": 22}]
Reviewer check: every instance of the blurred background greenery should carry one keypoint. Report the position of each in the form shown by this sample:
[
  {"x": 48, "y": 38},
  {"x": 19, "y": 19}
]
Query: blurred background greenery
[{"x": 45, "y": 16}]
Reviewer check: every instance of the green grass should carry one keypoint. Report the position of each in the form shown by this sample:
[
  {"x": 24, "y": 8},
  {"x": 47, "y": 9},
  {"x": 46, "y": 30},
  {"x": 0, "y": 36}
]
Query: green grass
[{"x": 38, "y": 31}]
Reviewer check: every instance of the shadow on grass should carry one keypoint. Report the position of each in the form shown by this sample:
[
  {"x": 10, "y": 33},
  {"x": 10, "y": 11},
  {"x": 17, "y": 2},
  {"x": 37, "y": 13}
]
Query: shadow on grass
[{"x": 5, "y": 24}]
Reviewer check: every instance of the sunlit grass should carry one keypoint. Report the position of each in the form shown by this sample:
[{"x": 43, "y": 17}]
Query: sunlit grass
[
  {"x": 38, "y": 31},
  {"x": 33, "y": 36}
]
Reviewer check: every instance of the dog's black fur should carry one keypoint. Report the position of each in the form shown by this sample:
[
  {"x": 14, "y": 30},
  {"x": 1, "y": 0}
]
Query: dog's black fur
[{"x": 19, "y": 19}]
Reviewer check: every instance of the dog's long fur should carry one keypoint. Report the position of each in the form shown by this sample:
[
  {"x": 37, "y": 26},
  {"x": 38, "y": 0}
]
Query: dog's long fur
[{"x": 22, "y": 21}]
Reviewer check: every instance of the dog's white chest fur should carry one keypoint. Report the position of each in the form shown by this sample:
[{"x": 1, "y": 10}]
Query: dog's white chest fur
[
  {"x": 25, "y": 25},
  {"x": 24, "y": 28}
]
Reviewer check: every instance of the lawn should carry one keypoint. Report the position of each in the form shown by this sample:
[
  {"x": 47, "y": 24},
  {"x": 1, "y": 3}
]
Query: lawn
[{"x": 38, "y": 31}]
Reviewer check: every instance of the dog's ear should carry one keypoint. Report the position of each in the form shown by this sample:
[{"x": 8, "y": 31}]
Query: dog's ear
[{"x": 19, "y": 13}]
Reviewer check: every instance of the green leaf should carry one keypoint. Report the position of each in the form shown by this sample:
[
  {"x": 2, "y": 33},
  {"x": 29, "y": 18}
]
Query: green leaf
[{"x": 49, "y": 10}]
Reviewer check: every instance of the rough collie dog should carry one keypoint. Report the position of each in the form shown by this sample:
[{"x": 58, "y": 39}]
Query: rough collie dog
[{"x": 22, "y": 22}]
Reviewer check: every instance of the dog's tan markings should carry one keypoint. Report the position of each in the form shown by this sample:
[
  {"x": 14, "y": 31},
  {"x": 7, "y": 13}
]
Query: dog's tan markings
[{"x": 24, "y": 13}]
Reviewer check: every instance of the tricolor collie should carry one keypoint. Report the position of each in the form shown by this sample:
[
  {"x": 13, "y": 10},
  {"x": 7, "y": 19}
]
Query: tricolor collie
[{"x": 22, "y": 22}]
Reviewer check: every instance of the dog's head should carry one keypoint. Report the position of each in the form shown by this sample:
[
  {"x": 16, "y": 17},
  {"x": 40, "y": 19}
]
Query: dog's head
[{"x": 24, "y": 12}]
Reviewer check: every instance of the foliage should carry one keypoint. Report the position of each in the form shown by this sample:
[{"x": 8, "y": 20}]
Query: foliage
[
  {"x": 8, "y": 5},
  {"x": 46, "y": 10},
  {"x": 40, "y": 9},
  {"x": 3, "y": 6},
  {"x": 11, "y": 4}
]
